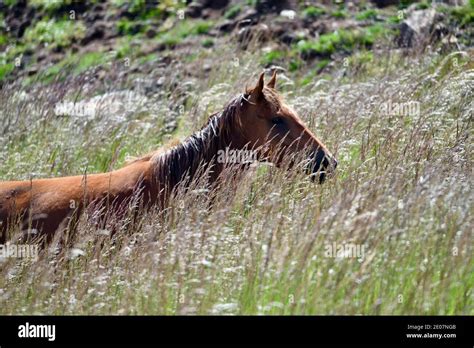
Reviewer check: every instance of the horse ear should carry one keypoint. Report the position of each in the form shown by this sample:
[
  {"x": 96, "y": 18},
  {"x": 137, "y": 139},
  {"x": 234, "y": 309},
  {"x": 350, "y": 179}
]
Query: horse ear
[
  {"x": 257, "y": 92},
  {"x": 271, "y": 83}
]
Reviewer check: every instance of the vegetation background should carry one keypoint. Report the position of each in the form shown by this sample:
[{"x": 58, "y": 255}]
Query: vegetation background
[{"x": 387, "y": 85}]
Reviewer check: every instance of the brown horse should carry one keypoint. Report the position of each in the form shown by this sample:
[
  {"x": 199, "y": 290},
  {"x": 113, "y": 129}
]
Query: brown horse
[{"x": 257, "y": 120}]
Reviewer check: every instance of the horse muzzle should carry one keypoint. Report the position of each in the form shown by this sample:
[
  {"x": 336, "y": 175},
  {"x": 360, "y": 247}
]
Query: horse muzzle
[{"x": 321, "y": 165}]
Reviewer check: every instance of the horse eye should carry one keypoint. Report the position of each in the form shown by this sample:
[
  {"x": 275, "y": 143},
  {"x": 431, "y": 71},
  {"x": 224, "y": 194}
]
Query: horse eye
[{"x": 277, "y": 120}]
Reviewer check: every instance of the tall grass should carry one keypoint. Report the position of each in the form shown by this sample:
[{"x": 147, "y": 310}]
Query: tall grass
[{"x": 403, "y": 191}]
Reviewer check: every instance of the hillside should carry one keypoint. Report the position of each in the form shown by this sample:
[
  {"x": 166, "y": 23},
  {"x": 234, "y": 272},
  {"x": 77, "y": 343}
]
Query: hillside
[{"x": 387, "y": 85}]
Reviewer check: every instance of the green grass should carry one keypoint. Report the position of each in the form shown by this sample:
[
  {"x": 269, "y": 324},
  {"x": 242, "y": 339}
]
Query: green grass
[
  {"x": 207, "y": 43},
  {"x": 402, "y": 188},
  {"x": 55, "y": 33},
  {"x": 400, "y": 192},
  {"x": 272, "y": 57},
  {"x": 464, "y": 14},
  {"x": 148, "y": 58},
  {"x": 423, "y": 5},
  {"x": 6, "y": 69},
  {"x": 182, "y": 30},
  {"x": 88, "y": 60},
  {"x": 340, "y": 14},
  {"x": 313, "y": 12},
  {"x": 75, "y": 63},
  {"x": 233, "y": 11},
  {"x": 346, "y": 40},
  {"x": 126, "y": 27},
  {"x": 294, "y": 64},
  {"x": 3, "y": 39},
  {"x": 366, "y": 15},
  {"x": 50, "y": 6},
  {"x": 313, "y": 73}
]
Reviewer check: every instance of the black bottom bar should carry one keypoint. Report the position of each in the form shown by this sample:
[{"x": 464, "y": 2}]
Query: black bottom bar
[{"x": 333, "y": 330}]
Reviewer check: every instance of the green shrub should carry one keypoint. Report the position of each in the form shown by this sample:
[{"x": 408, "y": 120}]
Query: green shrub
[
  {"x": 233, "y": 11},
  {"x": 55, "y": 33},
  {"x": 294, "y": 64},
  {"x": 340, "y": 14},
  {"x": 464, "y": 15},
  {"x": 367, "y": 14},
  {"x": 313, "y": 12},
  {"x": 346, "y": 40},
  {"x": 270, "y": 57},
  {"x": 125, "y": 27},
  {"x": 74, "y": 63},
  {"x": 182, "y": 29},
  {"x": 5, "y": 70},
  {"x": 423, "y": 5},
  {"x": 3, "y": 39},
  {"x": 208, "y": 43}
]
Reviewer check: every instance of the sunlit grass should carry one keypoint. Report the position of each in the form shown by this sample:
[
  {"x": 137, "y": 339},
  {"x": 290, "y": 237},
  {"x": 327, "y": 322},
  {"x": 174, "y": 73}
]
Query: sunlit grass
[{"x": 403, "y": 191}]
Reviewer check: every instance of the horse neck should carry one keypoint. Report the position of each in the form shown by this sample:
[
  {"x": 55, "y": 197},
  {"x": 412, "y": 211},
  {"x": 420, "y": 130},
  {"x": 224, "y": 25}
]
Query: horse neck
[{"x": 197, "y": 155}]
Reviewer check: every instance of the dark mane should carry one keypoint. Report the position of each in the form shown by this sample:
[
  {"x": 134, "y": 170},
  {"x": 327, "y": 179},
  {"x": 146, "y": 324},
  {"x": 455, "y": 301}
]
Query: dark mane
[{"x": 199, "y": 151}]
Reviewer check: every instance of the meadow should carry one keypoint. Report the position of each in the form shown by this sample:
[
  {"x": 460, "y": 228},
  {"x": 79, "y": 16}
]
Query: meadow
[{"x": 399, "y": 124}]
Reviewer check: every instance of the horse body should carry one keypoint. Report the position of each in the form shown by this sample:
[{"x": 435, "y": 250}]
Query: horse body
[
  {"x": 257, "y": 120},
  {"x": 43, "y": 204}
]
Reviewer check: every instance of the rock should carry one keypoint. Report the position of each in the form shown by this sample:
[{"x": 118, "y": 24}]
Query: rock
[
  {"x": 193, "y": 10},
  {"x": 320, "y": 26},
  {"x": 215, "y": 4},
  {"x": 324, "y": 26},
  {"x": 287, "y": 30},
  {"x": 32, "y": 70},
  {"x": 150, "y": 33},
  {"x": 94, "y": 32},
  {"x": 384, "y": 3},
  {"x": 416, "y": 28},
  {"x": 268, "y": 6},
  {"x": 289, "y": 14},
  {"x": 160, "y": 82},
  {"x": 150, "y": 48},
  {"x": 289, "y": 37},
  {"x": 248, "y": 17},
  {"x": 257, "y": 33},
  {"x": 226, "y": 26},
  {"x": 207, "y": 13},
  {"x": 96, "y": 13}
]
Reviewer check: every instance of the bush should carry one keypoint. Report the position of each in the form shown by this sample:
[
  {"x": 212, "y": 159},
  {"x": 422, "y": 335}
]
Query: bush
[
  {"x": 55, "y": 33},
  {"x": 313, "y": 12}
]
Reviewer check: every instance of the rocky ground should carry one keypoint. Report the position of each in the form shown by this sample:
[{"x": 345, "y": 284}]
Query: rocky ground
[{"x": 40, "y": 39}]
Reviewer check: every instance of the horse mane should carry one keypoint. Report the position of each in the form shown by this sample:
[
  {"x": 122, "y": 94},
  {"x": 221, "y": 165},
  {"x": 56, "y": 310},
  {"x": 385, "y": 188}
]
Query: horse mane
[
  {"x": 183, "y": 160},
  {"x": 270, "y": 96}
]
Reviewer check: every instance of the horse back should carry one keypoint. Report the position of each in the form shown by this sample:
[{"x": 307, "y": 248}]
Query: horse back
[{"x": 44, "y": 203}]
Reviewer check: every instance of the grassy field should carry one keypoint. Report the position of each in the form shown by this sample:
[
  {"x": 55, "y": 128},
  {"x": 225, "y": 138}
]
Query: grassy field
[
  {"x": 401, "y": 128},
  {"x": 403, "y": 194}
]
